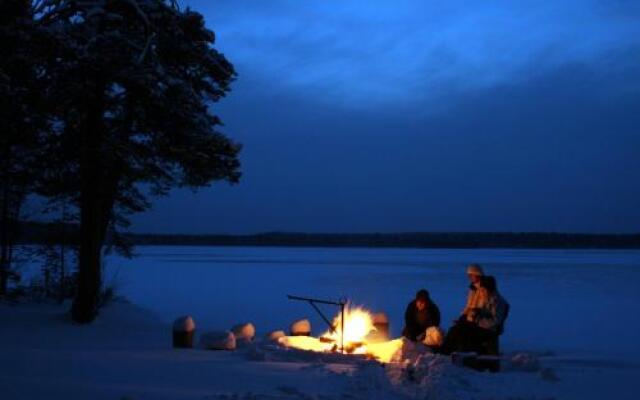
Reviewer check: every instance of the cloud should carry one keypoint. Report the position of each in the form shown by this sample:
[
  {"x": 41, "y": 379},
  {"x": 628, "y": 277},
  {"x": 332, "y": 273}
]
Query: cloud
[{"x": 375, "y": 53}]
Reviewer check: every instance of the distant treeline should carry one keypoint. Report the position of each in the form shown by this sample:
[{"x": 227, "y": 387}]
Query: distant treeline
[
  {"x": 409, "y": 240},
  {"x": 41, "y": 233}
]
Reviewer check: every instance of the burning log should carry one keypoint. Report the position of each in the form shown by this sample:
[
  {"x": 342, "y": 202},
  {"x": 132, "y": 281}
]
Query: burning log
[{"x": 352, "y": 347}]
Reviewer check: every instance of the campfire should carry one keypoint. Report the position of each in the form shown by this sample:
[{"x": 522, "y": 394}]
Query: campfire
[{"x": 358, "y": 336}]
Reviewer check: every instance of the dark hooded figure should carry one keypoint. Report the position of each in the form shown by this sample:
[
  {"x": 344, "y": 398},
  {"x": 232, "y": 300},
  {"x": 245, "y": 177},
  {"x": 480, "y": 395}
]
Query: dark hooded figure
[{"x": 421, "y": 313}]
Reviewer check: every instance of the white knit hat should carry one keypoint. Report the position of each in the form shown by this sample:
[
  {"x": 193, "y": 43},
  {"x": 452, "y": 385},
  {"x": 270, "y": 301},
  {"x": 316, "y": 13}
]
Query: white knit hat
[{"x": 474, "y": 269}]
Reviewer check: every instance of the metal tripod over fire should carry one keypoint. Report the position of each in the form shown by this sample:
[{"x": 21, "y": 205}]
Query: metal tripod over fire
[{"x": 340, "y": 303}]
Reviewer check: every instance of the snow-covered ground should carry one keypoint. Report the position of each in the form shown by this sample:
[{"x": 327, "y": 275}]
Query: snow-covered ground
[
  {"x": 127, "y": 355},
  {"x": 573, "y": 312}
]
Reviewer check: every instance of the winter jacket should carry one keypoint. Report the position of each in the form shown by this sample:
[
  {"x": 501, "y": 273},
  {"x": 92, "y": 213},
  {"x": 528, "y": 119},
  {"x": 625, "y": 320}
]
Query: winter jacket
[
  {"x": 493, "y": 314},
  {"x": 417, "y": 322},
  {"x": 476, "y": 299}
]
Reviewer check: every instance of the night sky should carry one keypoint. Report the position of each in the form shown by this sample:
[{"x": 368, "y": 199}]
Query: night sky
[{"x": 399, "y": 116}]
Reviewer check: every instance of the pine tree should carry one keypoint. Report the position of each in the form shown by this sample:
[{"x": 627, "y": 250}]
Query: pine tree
[
  {"x": 134, "y": 83},
  {"x": 24, "y": 119}
]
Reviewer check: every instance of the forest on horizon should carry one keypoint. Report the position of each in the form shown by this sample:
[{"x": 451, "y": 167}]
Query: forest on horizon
[{"x": 38, "y": 233}]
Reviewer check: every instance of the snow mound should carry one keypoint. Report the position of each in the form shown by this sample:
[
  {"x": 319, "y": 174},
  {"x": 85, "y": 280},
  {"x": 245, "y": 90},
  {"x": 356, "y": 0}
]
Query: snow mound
[
  {"x": 244, "y": 332},
  {"x": 273, "y": 336},
  {"x": 301, "y": 327},
  {"x": 433, "y": 376},
  {"x": 184, "y": 324},
  {"x": 416, "y": 372},
  {"x": 379, "y": 318}
]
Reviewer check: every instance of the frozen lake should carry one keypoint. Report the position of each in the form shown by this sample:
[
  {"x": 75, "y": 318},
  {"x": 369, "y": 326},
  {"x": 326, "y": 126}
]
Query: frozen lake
[{"x": 563, "y": 301}]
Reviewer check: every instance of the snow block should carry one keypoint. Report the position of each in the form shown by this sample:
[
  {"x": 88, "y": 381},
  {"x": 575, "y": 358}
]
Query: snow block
[
  {"x": 183, "y": 332},
  {"x": 273, "y": 336},
  {"x": 381, "y": 333},
  {"x": 218, "y": 340},
  {"x": 184, "y": 324},
  {"x": 380, "y": 318},
  {"x": 301, "y": 327},
  {"x": 244, "y": 332}
]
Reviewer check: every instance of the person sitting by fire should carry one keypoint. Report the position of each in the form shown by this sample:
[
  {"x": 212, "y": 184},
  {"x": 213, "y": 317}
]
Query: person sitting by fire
[
  {"x": 477, "y": 297},
  {"x": 491, "y": 318},
  {"x": 482, "y": 320},
  {"x": 421, "y": 314},
  {"x": 462, "y": 336}
]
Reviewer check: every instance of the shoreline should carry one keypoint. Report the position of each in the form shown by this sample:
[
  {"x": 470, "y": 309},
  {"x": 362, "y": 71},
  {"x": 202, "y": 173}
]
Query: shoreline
[{"x": 43, "y": 233}]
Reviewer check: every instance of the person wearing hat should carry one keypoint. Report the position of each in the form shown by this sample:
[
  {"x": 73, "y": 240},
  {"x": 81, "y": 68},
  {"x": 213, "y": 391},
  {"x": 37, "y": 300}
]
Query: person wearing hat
[
  {"x": 421, "y": 313},
  {"x": 477, "y": 298},
  {"x": 464, "y": 334}
]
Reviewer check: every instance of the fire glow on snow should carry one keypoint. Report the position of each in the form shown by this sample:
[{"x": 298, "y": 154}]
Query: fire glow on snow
[{"x": 358, "y": 326}]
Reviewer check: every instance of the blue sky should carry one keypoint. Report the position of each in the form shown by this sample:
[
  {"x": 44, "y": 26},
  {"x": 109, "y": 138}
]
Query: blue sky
[{"x": 424, "y": 116}]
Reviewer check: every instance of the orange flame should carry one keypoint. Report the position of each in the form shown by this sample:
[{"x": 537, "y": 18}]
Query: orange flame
[{"x": 358, "y": 324}]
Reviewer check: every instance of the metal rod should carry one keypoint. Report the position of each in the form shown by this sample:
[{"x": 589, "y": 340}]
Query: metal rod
[
  {"x": 332, "y": 328},
  {"x": 342, "y": 325},
  {"x": 315, "y": 307},
  {"x": 335, "y": 303}
]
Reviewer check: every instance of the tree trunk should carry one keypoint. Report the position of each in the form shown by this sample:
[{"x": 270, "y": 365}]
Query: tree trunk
[
  {"x": 4, "y": 239},
  {"x": 62, "y": 286},
  {"x": 5, "y": 242},
  {"x": 85, "y": 305}
]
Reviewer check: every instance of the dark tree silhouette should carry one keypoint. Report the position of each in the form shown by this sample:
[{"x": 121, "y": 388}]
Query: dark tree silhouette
[
  {"x": 134, "y": 81},
  {"x": 23, "y": 120}
]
